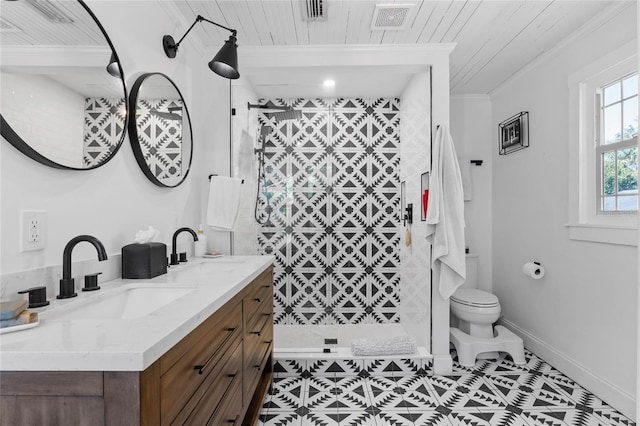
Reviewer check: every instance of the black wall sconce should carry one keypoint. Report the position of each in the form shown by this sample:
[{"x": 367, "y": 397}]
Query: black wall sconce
[
  {"x": 225, "y": 63},
  {"x": 113, "y": 68}
]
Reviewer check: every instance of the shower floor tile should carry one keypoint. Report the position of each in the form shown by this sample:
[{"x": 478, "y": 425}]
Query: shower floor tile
[{"x": 493, "y": 392}]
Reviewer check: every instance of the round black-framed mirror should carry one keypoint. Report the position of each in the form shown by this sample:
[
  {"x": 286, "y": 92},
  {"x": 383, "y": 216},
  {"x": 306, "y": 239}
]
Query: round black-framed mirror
[
  {"x": 60, "y": 105},
  {"x": 160, "y": 129}
]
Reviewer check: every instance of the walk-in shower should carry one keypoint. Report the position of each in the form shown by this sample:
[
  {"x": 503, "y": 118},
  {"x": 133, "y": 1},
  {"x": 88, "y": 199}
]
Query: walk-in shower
[{"x": 328, "y": 210}]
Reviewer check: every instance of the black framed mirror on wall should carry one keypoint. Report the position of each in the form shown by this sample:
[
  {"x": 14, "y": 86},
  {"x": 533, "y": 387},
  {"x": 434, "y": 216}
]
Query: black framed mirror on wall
[
  {"x": 160, "y": 129},
  {"x": 63, "y": 88}
]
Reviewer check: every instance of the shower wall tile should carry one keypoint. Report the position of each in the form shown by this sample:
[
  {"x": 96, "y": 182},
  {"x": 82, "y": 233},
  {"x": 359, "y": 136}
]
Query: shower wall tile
[
  {"x": 333, "y": 191},
  {"x": 104, "y": 123}
]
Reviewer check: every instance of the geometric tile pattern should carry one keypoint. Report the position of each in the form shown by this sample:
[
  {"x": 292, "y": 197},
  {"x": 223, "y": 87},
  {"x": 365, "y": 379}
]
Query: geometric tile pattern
[
  {"x": 104, "y": 121},
  {"x": 333, "y": 188},
  {"x": 491, "y": 393},
  {"x": 159, "y": 123}
]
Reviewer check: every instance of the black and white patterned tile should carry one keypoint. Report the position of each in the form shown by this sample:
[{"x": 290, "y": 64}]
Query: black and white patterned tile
[
  {"x": 398, "y": 392},
  {"x": 104, "y": 124},
  {"x": 333, "y": 191}
]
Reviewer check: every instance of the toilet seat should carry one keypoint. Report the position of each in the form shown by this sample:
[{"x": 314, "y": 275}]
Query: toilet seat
[{"x": 475, "y": 298}]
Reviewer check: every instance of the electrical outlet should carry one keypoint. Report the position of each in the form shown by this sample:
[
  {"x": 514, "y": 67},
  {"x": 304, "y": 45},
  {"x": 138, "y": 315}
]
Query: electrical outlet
[{"x": 33, "y": 225}]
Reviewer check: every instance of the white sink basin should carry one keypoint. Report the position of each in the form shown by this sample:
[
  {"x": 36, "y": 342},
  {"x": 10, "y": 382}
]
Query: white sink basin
[{"x": 128, "y": 302}]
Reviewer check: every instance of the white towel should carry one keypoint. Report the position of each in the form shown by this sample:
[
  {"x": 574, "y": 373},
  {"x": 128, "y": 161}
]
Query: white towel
[
  {"x": 396, "y": 345},
  {"x": 224, "y": 202},
  {"x": 465, "y": 171},
  {"x": 445, "y": 215}
]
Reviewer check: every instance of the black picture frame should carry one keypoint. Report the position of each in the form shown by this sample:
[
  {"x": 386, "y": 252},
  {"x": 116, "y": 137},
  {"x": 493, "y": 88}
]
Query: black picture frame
[{"x": 513, "y": 133}]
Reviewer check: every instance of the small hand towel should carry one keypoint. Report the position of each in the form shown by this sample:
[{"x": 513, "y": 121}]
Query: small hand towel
[
  {"x": 25, "y": 317},
  {"x": 224, "y": 202},
  {"x": 11, "y": 309}
]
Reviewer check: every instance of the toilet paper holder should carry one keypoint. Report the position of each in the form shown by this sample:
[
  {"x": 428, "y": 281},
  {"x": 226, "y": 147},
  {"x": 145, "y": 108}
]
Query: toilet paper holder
[{"x": 533, "y": 269}]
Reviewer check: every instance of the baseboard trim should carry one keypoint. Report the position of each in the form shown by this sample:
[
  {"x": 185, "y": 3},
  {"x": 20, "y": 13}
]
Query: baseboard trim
[{"x": 613, "y": 395}]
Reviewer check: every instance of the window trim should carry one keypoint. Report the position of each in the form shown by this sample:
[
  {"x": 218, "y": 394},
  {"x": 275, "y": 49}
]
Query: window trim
[
  {"x": 602, "y": 148},
  {"x": 584, "y": 224}
]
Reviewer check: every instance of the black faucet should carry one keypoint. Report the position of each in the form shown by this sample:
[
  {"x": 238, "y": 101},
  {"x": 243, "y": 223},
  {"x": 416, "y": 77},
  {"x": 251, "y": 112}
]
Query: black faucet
[
  {"x": 67, "y": 286},
  {"x": 174, "y": 254}
]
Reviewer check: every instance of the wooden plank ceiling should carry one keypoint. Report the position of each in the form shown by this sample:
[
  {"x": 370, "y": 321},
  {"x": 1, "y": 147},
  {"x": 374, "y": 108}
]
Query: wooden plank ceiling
[{"x": 494, "y": 39}]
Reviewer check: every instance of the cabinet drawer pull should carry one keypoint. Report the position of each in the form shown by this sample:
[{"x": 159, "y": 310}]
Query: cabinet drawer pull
[
  {"x": 257, "y": 299},
  {"x": 231, "y": 329},
  {"x": 268, "y": 342},
  {"x": 267, "y": 314},
  {"x": 257, "y": 333},
  {"x": 234, "y": 421},
  {"x": 267, "y": 286},
  {"x": 200, "y": 368},
  {"x": 258, "y": 366},
  {"x": 231, "y": 376}
]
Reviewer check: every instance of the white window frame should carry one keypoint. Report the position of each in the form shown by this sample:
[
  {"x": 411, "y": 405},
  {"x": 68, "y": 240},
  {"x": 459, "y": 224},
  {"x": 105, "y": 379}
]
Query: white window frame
[
  {"x": 611, "y": 147},
  {"x": 585, "y": 223}
]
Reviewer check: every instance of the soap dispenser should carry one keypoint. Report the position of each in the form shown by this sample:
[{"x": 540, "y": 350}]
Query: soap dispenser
[{"x": 200, "y": 246}]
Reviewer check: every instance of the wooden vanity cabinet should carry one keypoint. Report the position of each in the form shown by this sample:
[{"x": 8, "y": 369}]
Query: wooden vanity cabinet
[
  {"x": 214, "y": 374},
  {"x": 217, "y": 375}
]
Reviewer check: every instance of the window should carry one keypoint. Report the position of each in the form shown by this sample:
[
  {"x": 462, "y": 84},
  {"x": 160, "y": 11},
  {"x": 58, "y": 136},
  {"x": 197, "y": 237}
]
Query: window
[
  {"x": 603, "y": 149},
  {"x": 617, "y": 147}
]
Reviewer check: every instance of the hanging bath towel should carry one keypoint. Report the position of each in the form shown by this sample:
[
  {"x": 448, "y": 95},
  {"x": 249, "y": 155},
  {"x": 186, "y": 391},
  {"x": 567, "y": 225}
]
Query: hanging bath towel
[
  {"x": 445, "y": 215},
  {"x": 224, "y": 202}
]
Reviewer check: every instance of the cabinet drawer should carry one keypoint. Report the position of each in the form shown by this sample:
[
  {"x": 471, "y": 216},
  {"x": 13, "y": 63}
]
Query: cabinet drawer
[
  {"x": 207, "y": 347},
  {"x": 230, "y": 409},
  {"x": 208, "y": 399},
  {"x": 260, "y": 295},
  {"x": 257, "y": 349}
]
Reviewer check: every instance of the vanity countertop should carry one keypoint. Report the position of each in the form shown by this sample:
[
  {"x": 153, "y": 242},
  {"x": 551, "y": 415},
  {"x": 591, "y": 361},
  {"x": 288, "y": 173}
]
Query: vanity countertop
[{"x": 66, "y": 343}]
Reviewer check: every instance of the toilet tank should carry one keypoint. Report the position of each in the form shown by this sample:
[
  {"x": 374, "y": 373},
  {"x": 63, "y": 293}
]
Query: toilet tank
[{"x": 472, "y": 271}]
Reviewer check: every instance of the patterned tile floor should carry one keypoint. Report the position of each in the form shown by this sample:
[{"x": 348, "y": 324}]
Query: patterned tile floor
[{"x": 491, "y": 393}]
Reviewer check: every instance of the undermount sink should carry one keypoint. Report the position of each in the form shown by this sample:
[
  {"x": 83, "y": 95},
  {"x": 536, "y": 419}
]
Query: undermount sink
[{"x": 128, "y": 302}]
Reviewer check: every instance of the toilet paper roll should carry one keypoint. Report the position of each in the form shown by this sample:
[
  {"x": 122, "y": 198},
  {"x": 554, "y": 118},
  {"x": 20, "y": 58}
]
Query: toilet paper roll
[{"x": 533, "y": 270}]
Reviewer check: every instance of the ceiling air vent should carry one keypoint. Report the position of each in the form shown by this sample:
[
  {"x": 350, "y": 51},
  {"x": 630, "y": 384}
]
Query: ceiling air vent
[
  {"x": 391, "y": 16},
  {"x": 315, "y": 10}
]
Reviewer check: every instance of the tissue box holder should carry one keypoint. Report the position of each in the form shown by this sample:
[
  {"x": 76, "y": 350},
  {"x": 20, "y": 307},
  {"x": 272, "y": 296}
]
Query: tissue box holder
[{"x": 145, "y": 260}]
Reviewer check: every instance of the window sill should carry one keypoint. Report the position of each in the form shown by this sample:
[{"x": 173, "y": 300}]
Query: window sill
[{"x": 606, "y": 234}]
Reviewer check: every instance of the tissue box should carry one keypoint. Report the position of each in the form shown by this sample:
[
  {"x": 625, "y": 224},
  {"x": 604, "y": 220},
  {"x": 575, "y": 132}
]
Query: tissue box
[{"x": 145, "y": 260}]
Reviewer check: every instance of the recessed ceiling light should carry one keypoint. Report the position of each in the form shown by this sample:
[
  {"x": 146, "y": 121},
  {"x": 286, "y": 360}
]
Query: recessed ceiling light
[{"x": 329, "y": 84}]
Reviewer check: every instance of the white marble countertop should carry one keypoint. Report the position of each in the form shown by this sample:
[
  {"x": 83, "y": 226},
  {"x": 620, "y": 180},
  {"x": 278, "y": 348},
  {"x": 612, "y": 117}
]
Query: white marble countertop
[{"x": 62, "y": 342}]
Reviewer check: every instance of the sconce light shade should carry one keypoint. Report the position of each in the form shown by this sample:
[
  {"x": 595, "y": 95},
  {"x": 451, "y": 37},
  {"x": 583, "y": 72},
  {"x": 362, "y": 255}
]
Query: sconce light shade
[
  {"x": 112, "y": 68},
  {"x": 225, "y": 63}
]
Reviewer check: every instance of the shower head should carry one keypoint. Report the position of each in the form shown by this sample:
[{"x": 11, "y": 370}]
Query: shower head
[
  {"x": 264, "y": 132},
  {"x": 288, "y": 114},
  {"x": 282, "y": 113}
]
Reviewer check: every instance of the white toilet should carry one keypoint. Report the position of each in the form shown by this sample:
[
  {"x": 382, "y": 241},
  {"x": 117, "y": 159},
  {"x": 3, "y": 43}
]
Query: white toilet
[{"x": 473, "y": 314}]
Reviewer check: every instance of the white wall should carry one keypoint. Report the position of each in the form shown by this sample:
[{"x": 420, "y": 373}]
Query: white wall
[
  {"x": 116, "y": 200},
  {"x": 581, "y": 317},
  {"x": 472, "y": 135}
]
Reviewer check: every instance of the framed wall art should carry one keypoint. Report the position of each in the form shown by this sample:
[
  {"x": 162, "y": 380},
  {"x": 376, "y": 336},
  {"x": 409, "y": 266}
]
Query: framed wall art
[{"x": 514, "y": 133}]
